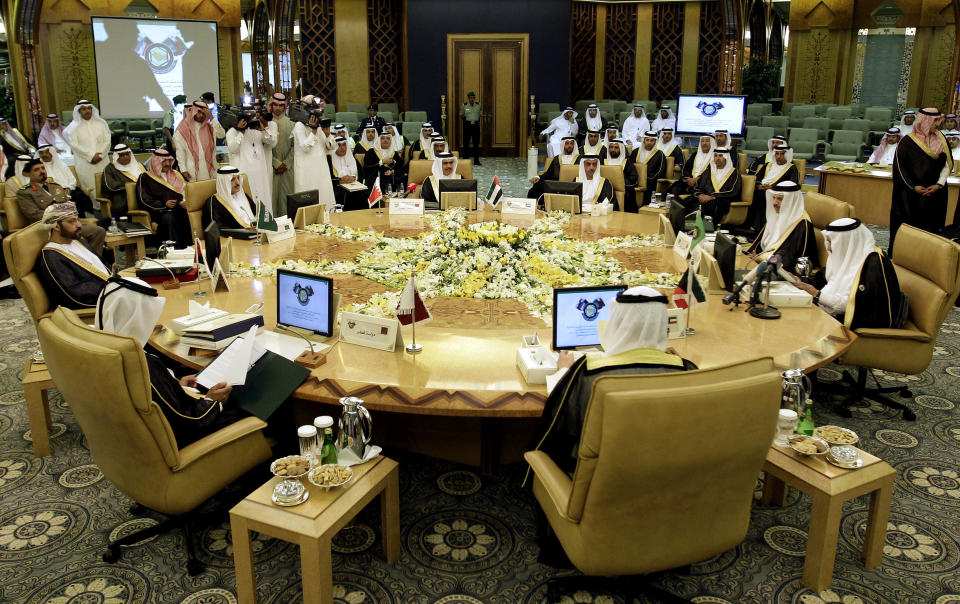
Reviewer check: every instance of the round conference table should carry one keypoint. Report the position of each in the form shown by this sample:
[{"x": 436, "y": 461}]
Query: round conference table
[{"x": 463, "y": 398}]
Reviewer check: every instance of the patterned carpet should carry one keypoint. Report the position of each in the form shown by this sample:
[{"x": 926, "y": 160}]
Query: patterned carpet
[{"x": 467, "y": 538}]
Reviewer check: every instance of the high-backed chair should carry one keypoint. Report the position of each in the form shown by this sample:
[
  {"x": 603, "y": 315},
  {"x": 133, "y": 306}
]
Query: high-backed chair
[
  {"x": 129, "y": 437},
  {"x": 393, "y": 108},
  {"x": 821, "y": 124},
  {"x": 836, "y": 115},
  {"x": 757, "y": 140},
  {"x": 569, "y": 172},
  {"x": 788, "y": 107},
  {"x": 419, "y": 169},
  {"x": 140, "y": 130},
  {"x": 823, "y": 210},
  {"x": 358, "y": 108},
  {"x": 928, "y": 268},
  {"x": 346, "y": 117},
  {"x": 800, "y": 113},
  {"x": 387, "y": 116},
  {"x": 14, "y": 220},
  {"x": 880, "y": 119},
  {"x": 415, "y": 116},
  {"x": 134, "y": 211},
  {"x": 822, "y": 107},
  {"x": 197, "y": 193},
  {"x": 858, "y": 124},
  {"x": 755, "y": 111},
  {"x": 21, "y": 251},
  {"x": 805, "y": 142},
  {"x": 739, "y": 209},
  {"x": 631, "y": 510},
  {"x": 845, "y": 146},
  {"x": 779, "y": 123},
  {"x": 615, "y": 175}
]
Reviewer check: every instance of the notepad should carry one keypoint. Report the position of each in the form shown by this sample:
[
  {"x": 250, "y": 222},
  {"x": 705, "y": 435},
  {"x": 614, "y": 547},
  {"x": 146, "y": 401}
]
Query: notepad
[{"x": 232, "y": 364}]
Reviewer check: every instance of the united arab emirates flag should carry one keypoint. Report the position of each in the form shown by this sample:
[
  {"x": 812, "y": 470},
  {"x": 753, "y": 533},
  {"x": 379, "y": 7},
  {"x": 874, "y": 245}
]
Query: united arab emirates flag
[{"x": 495, "y": 192}]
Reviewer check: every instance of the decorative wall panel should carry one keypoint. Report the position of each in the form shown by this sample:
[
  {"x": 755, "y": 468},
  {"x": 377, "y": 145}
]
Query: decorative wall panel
[
  {"x": 284, "y": 44},
  {"x": 817, "y": 61},
  {"x": 583, "y": 42},
  {"x": 26, "y": 34},
  {"x": 261, "y": 29},
  {"x": 936, "y": 87},
  {"x": 385, "y": 39},
  {"x": 621, "y": 51},
  {"x": 71, "y": 45},
  {"x": 710, "y": 50},
  {"x": 666, "y": 50},
  {"x": 318, "y": 66},
  {"x": 225, "y": 59}
]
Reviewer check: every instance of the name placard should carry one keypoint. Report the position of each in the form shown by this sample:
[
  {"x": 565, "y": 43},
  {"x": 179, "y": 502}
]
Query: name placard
[
  {"x": 408, "y": 207},
  {"x": 518, "y": 205},
  {"x": 284, "y": 230},
  {"x": 681, "y": 247},
  {"x": 382, "y": 333}
]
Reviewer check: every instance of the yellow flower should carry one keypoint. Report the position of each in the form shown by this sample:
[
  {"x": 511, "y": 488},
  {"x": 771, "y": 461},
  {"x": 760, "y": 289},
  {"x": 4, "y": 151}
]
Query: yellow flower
[{"x": 452, "y": 252}]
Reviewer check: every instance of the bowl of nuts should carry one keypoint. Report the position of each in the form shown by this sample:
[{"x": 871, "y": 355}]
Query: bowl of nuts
[
  {"x": 808, "y": 445},
  {"x": 835, "y": 435},
  {"x": 329, "y": 476},
  {"x": 291, "y": 466}
]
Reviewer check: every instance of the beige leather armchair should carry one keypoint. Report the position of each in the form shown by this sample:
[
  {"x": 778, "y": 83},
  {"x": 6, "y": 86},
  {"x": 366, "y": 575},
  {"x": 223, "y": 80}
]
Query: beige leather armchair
[
  {"x": 128, "y": 435},
  {"x": 643, "y": 497},
  {"x": 823, "y": 210},
  {"x": 420, "y": 169},
  {"x": 21, "y": 251},
  {"x": 739, "y": 209},
  {"x": 197, "y": 193},
  {"x": 928, "y": 268}
]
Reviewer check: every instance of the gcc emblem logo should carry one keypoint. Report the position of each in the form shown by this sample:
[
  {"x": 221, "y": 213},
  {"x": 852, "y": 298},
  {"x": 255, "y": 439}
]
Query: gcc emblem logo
[
  {"x": 590, "y": 310},
  {"x": 709, "y": 109},
  {"x": 303, "y": 293}
]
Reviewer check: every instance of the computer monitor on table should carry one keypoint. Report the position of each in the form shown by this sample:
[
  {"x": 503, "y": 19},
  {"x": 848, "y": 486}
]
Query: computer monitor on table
[
  {"x": 457, "y": 185},
  {"x": 725, "y": 251},
  {"x": 211, "y": 243},
  {"x": 565, "y": 187},
  {"x": 305, "y": 302},
  {"x": 299, "y": 200},
  {"x": 577, "y": 312}
]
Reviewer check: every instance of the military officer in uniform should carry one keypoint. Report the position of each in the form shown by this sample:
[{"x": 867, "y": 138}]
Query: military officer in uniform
[
  {"x": 34, "y": 198},
  {"x": 470, "y": 116}
]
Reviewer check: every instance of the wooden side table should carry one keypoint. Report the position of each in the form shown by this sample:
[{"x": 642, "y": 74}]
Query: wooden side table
[
  {"x": 116, "y": 241},
  {"x": 36, "y": 381},
  {"x": 830, "y": 487},
  {"x": 312, "y": 525}
]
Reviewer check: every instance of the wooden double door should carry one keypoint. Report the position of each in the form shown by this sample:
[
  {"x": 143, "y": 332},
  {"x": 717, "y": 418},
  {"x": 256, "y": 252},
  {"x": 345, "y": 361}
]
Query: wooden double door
[{"x": 494, "y": 66}]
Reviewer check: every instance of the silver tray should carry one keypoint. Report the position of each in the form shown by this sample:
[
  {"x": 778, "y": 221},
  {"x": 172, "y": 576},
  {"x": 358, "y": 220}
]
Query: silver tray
[
  {"x": 304, "y": 497},
  {"x": 853, "y": 466}
]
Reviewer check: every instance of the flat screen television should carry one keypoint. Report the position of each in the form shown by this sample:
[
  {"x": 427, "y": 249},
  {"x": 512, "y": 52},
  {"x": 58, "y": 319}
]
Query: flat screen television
[
  {"x": 295, "y": 201},
  {"x": 577, "y": 312},
  {"x": 457, "y": 185},
  {"x": 211, "y": 244},
  {"x": 704, "y": 114},
  {"x": 725, "y": 251},
  {"x": 305, "y": 302}
]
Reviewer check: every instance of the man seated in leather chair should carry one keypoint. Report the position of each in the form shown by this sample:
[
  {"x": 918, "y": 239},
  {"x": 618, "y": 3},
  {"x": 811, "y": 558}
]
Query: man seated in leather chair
[
  {"x": 71, "y": 274},
  {"x": 130, "y": 307},
  {"x": 634, "y": 341}
]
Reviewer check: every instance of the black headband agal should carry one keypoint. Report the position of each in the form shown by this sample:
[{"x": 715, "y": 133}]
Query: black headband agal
[
  {"x": 934, "y": 112},
  {"x": 624, "y": 298},
  {"x": 785, "y": 188},
  {"x": 228, "y": 170},
  {"x": 843, "y": 227}
]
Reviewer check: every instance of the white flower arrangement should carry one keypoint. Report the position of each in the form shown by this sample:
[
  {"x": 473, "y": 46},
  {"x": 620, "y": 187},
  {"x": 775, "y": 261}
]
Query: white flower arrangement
[{"x": 480, "y": 260}]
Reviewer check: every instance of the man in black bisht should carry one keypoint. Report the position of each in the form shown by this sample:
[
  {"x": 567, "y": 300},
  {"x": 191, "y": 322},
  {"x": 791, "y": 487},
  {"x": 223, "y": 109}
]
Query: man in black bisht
[{"x": 920, "y": 168}]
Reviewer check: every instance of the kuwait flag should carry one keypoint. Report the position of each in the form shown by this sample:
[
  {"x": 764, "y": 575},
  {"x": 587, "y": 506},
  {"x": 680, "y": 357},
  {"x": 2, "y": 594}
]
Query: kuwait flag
[
  {"x": 688, "y": 284},
  {"x": 495, "y": 192},
  {"x": 411, "y": 308},
  {"x": 375, "y": 193}
]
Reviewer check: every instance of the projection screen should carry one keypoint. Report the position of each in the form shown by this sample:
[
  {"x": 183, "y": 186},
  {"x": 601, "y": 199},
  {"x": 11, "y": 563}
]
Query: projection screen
[{"x": 143, "y": 63}]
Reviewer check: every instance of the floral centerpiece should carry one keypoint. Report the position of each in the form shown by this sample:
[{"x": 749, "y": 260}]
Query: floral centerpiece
[{"x": 480, "y": 260}]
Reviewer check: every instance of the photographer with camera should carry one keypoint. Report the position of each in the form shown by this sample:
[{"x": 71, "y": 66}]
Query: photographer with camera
[
  {"x": 311, "y": 141},
  {"x": 195, "y": 142},
  {"x": 251, "y": 146}
]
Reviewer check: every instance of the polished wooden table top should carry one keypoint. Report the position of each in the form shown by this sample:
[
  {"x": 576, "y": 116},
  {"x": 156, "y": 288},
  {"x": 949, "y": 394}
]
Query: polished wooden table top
[{"x": 467, "y": 366}]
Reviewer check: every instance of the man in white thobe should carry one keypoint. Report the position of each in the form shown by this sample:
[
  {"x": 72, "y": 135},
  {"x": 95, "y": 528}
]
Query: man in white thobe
[
  {"x": 250, "y": 146},
  {"x": 310, "y": 169},
  {"x": 89, "y": 137},
  {"x": 562, "y": 126}
]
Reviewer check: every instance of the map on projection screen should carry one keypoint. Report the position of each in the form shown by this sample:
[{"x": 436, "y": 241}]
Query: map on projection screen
[{"x": 143, "y": 63}]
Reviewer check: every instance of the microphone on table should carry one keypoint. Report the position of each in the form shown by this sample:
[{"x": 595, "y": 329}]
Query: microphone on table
[
  {"x": 410, "y": 189},
  {"x": 311, "y": 359},
  {"x": 758, "y": 273}
]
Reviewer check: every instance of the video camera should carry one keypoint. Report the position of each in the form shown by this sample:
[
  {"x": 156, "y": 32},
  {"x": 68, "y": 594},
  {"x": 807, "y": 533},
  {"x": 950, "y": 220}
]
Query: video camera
[
  {"x": 300, "y": 112},
  {"x": 231, "y": 116}
]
